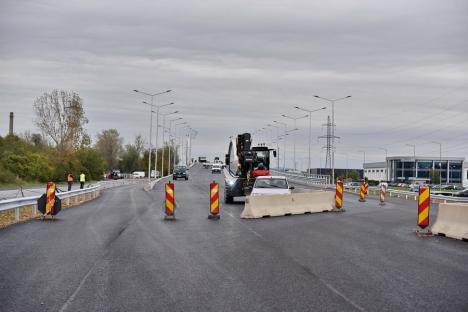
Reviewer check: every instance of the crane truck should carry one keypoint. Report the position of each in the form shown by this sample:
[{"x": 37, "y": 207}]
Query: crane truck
[{"x": 243, "y": 164}]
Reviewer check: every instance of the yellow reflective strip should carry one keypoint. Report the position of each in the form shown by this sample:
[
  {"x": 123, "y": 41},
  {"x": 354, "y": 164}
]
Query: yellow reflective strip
[
  {"x": 169, "y": 205},
  {"x": 338, "y": 200},
  {"x": 424, "y": 195},
  {"x": 423, "y": 215},
  {"x": 214, "y": 205}
]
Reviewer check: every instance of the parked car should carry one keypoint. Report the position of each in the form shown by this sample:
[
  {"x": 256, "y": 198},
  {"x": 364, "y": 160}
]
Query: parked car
[
  {"x": 180, "y": 172},
  {"x": 461, "y": 194},
  {"x": 270, "y": 185}
]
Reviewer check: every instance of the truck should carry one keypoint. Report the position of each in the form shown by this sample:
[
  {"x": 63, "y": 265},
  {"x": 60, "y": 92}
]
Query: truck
[
  {"x": 243, "y": 164},
  {"x": 202, "y": 159}
]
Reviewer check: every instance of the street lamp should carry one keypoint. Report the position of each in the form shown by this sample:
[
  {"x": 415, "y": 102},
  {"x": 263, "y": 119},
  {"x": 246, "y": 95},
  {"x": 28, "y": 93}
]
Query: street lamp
[
  {"x": 386, "y": 166},
  {"x": 152, "y": 95},
  {"x": 157, "y": 134},
  {"x": 277, "y": 145},
  {"x": 284, "y": 143},
  {"x": 332, "y": 101},
  {"x": 170, "y": 141},
  {"x": 363, "y": 170},
  {"x": 440, "y": 164},
  {"x": 163, "y": 147},
  {"x": 310, "y": 127},
  {"x": 294, "y": 139},
  {"x": 414, "y": 154},
  {"x": 177, "y": 146}
]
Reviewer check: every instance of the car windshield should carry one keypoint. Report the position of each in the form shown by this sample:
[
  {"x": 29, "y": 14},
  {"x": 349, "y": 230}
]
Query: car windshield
[{"x": 271, "y": 183}]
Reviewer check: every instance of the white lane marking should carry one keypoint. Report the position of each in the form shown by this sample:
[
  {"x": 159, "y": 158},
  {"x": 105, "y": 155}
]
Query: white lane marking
[
  {"x": 247, "y": 227},
  {"x": 330, "y": 287}
]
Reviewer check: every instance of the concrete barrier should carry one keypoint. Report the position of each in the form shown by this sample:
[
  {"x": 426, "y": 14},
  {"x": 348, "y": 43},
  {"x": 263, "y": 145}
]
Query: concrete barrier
[
  {"x": 279, "y": 205},
  {"x": 452, "y": 220}
]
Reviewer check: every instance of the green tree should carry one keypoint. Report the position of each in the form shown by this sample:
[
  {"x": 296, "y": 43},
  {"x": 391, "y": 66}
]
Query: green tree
[
  {"x": 434, "y": 176},
  {"x": 354, "y": 175},
  {"x": 92, "y": 163},
  {"x": 109, "y": 145},
  {"x": 61, "y": 117}
]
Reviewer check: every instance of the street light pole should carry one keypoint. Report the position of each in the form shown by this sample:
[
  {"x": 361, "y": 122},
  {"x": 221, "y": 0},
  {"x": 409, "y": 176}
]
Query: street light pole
[
  {"x": 171, "y": 143},
  {"x": 294, "y": 138},
  {"x": 333, "y": 128},
  {"x": 363, "y": 170},
  {"x": 284, "y": 143},
  {"x": 277, "y": 145},
  {"x": 440, "y": 164},
  {"x": 414, "y": 155},
  {"x": 386, "y": 156},
  {"x": 310, "y": 129},
  {"x": 176, "y": 145},
  {"x": 163, "y": 147},
  {"x": 152, "y": 95}
]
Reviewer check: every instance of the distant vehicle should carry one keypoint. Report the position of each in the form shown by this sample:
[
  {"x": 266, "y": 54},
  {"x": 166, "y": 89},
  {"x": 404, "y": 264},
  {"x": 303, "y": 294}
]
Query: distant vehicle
[
  {"x": 271, "y": 185},
  {"x": 155, "y": 174},
  {"x": 115, "y": 175},
  {"x": 138, "y": 174},
  {"x": 180, "y": 172},
  {"x": 461, "y": 194},
  {"x": 216, "y": 168},
  {"x": 206, "y": 165},
  {"x": 414, "y": 188},
  {"x": 202, "y": 159}
]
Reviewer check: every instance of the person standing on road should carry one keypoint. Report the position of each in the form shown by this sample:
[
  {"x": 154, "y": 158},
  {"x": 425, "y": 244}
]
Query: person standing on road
[
  {"x": 70, "y": 181},
  {"x": 82, "y": 180}
]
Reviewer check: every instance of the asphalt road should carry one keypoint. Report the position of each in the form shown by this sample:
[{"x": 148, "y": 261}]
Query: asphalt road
[{"x": 118, "y": 254}]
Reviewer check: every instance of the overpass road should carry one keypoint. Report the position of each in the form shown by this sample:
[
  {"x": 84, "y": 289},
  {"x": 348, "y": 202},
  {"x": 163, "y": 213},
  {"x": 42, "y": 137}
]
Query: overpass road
[{"x": 117, "y": 253}]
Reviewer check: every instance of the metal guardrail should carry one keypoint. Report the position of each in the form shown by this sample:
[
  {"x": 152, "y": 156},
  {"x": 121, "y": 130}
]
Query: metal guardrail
[
  {"x": 317, "y": 179},
  {"x": 324, "y": 183},
  {"x": 409, "y": 195},
  {"x": 17, "y": 203}
]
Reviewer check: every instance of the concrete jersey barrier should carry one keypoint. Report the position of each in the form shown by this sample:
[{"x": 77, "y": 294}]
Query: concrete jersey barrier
[
  {"x": 279, "y": 205},
  {"x": 452, "y": 220}
]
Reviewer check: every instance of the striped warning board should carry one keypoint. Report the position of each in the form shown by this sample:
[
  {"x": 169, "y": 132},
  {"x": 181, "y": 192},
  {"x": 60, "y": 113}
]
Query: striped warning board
[
  {"x": 50, "y": 198},
  {"x": 424, "y": 204},
  {"x": 214, "y": 201},
  {"x": 170, "y": 201},
  {"x": 339, "y": 194}
]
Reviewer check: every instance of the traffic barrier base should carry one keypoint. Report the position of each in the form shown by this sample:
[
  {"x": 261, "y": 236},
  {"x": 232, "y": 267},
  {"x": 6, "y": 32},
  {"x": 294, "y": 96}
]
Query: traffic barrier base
[
  {"x": 452, "y": 221},
  {"x": 260, "y": 206}
]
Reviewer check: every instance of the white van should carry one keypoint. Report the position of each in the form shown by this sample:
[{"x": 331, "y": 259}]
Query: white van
[{"x": 138, "y": 174}]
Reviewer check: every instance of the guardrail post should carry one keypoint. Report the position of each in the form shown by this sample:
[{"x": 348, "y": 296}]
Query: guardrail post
[{"x": 17, "y": 214}]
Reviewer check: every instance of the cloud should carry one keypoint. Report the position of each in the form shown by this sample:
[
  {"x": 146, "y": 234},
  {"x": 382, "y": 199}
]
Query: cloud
[{"x": 236, "y": 66}]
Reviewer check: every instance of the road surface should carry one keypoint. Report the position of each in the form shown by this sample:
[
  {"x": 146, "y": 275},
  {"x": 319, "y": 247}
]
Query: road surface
[{"x": 117, "y": 253}]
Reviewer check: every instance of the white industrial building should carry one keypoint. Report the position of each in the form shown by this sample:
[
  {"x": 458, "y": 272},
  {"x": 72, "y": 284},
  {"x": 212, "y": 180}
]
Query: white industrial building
[{"x": 453, "y": 170}]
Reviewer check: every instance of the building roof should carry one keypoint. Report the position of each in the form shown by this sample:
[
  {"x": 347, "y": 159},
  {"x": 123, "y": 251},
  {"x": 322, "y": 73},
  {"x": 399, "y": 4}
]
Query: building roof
[
  {"x": 381, "y": 164},
  {"x": 436, "y": 158}
]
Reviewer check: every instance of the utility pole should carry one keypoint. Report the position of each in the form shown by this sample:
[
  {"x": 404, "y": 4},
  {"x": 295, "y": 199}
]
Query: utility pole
[{"x": 332, "y": 101}]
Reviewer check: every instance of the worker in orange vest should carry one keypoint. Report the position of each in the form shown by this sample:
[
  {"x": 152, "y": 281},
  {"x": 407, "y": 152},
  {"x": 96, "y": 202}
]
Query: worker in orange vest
[{"x": 70, "y": 181}]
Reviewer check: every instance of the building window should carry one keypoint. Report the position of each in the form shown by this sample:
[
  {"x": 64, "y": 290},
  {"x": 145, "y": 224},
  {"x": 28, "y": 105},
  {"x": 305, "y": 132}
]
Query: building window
[{"x": 425, "y": 165}]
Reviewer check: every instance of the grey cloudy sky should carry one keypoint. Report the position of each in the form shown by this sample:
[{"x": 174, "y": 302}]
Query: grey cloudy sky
[{"x": 236, "y": 66}]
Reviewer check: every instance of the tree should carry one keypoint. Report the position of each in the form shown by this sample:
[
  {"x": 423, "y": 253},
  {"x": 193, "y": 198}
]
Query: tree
[
  {"x": 61, "y": 117},
  {"x": 109, "y": 145},
  {"x": 132, "y": 157},
  {"x": 435, "y": 177}
]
